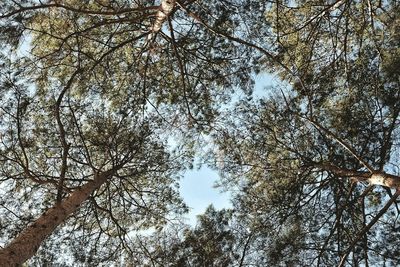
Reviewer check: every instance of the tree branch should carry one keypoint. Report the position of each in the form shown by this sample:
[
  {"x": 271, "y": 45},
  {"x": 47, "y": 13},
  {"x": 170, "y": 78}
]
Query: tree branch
[
  {"x": 368, "y": 227},
  {"x": 78, "y": 10},
  {"x": 341, "y": 142}
]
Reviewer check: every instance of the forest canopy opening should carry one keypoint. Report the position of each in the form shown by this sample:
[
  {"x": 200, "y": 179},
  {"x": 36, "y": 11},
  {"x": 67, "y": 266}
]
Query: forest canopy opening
[{"x": 91, "y": 93}]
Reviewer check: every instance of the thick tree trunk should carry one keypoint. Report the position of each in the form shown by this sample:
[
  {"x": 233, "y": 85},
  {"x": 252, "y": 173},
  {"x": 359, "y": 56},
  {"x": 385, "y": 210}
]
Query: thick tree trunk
[
  {"x": 166, "y": 7},
  {"x": 385, "y": 179},
  {"x": 164, "y": 11},
  {"x": 25, "y": 245},
  {"x": 374, "y": 178}
]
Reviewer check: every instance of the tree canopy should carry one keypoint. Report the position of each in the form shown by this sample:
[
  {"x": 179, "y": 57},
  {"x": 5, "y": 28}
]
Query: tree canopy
[
  {"x": 103, "y": 104},
  {"x": 308, "y": 148}
]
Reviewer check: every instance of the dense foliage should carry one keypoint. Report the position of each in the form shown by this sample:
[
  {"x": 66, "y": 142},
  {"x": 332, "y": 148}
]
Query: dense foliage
[
  {"x": 137, "y": 87},
  {"x": 306, "y": 149}
]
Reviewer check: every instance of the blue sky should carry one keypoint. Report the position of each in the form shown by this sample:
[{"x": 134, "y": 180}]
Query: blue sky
[
  {"x": 197, "y": 186},
  {"x": 197, "y": 189}
]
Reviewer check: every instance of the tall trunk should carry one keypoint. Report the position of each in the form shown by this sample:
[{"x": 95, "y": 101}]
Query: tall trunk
[
  {"x": 25, "y": 245},
  {"x": 374, "y": 178},
  {"x": 385, "y": 179},
  {"x": 165, "y": 9}
]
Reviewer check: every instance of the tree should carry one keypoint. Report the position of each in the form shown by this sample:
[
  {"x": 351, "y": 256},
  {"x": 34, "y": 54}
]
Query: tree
[
  {"x": 212, "y": 242},
  {"x": 90, "y": 92},
  {"x": 304, "y": 153},
  {"x": 123, "y": 170}
]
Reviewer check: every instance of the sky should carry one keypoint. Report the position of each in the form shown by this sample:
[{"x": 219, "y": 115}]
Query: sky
[
  {"x": 197, "y": 186},
  {"x": 198, "y": 191}
]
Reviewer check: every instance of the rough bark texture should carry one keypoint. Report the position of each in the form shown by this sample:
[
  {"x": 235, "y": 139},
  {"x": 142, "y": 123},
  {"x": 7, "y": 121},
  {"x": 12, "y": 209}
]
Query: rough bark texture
[
  {"x": 374, "y": 178},
  {"x": 385, "y": 179},
  {"x": 166, "y": 8},
  {"x": 25, "y": 245}
]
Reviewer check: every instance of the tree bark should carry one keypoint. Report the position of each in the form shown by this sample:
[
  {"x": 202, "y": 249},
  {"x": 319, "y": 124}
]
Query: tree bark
[
  {"x": 166, "y": 7},
  {"x": 25, "y": 245},
  {"x": 374, "y": 178},
  {"x": 164, "y": 11}
]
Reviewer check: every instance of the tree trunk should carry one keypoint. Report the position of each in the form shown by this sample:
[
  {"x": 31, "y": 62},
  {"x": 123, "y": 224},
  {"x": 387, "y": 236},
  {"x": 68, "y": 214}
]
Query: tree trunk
[
  {"x": 25, "y": 245},
  {"x": 166, "y": 7},
  {"x": 164, "y": 11},
  {"x": 374, "y": 178}
]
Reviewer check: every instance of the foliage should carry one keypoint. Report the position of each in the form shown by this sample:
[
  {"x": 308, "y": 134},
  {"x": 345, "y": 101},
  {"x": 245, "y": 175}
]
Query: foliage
[
  {"x": 212, "y": 242},
  {"x": 88, "y": 86},
  {"x": 296, "y": 155}
]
